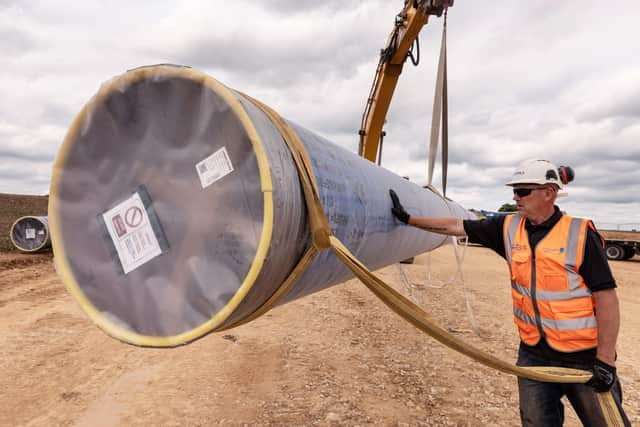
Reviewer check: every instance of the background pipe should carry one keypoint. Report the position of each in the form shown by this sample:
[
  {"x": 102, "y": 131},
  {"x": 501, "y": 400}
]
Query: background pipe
[{"x": 31, "y": 234}]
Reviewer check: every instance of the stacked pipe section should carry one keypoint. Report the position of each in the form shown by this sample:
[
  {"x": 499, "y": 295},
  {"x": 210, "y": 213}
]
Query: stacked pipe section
[
  {"x": 31, "y": 234},
  {"x": 176, "y": 208}
]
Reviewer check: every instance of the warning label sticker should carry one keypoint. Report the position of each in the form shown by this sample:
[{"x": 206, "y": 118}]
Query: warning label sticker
[
  {"x": 131, "y": 232},
  {"x": 214, "y": 167}
]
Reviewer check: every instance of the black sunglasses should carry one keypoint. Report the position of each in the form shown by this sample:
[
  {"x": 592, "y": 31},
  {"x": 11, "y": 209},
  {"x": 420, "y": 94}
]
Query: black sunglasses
[{"x": 524, "y": 192}]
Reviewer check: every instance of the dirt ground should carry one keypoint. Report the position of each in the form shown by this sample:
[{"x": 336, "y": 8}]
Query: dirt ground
[{"x": 338, "y": 357}]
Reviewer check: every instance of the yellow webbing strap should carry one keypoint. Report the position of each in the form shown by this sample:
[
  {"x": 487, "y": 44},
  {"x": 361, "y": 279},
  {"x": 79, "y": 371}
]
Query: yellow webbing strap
[
  {"x": 318, "y": 223},
  {"x": 610, "y": 410},
  {"x": 282, "y": 290},
  {"x": 420, "y": 319},
  {"x": 323, "y": 239}
]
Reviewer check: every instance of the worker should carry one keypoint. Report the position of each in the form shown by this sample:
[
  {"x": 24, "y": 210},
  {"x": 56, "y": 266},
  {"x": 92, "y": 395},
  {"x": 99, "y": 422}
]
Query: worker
[{"x": 564, "y": 298}]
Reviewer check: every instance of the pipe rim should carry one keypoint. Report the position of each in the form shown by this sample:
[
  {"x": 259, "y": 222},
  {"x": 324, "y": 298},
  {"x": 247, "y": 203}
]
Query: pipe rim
[
  {"x": 57, "y": 241},
  {"x": 37, "y": 218}
]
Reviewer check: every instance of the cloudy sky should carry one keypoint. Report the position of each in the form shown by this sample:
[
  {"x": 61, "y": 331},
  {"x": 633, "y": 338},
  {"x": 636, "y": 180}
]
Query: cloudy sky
[{"x": 545, "y": 79}]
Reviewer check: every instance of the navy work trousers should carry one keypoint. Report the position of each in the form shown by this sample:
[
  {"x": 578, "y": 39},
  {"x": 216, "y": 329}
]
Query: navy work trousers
[{"x": 540, "y": 403}]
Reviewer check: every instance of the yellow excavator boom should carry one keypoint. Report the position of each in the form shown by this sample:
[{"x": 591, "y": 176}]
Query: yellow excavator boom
[{"x": 408, "y": 24}]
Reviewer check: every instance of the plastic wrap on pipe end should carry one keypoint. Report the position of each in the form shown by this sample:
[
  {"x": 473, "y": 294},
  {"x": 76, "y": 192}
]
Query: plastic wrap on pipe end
[
  {"x": 31, "y": 234},
  {"x": 161, "y": 208}
]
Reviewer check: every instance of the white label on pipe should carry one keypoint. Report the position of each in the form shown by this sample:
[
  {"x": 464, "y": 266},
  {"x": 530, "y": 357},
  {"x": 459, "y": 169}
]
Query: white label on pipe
[
  {"x": 214, "y": 167},
  {"x": 130, "y": 230},
  {"x": 30, "y": 233}
]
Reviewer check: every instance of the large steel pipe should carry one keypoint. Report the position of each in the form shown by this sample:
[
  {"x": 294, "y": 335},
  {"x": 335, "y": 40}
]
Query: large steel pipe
[
  {"x": 176, "y": 208},
  {"x": 31, "y": 234}
]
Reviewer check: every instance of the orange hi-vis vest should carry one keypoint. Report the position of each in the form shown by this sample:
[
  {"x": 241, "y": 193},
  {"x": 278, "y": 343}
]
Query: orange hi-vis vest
[{"x": 550, "y": 298}]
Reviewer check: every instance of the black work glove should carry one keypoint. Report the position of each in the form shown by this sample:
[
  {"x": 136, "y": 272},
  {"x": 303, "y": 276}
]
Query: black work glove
[
  {"x": 397, "y": 210},
  {"x": 604, "y": 376}
]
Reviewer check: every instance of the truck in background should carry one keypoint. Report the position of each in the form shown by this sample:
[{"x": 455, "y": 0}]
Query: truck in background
[{"x": 621, "y": 245}]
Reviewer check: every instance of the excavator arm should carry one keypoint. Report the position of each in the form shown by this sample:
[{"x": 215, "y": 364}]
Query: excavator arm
[{"x": 408, "y": 24}]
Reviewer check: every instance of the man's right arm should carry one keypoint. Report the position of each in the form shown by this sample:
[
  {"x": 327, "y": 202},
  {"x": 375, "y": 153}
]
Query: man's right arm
[
  {"x": 488, "y": 232},
  {"x": 448, "y": 226}
]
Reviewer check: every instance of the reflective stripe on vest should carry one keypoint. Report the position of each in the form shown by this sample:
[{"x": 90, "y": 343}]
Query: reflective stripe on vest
[
  {"x": 567, "y": 325},
  {"x": 551, "y": 295},
  {"x": 561, "y": 309}
]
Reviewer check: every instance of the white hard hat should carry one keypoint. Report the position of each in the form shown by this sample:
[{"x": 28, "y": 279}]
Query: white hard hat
[{"x": 541, "y": 172}]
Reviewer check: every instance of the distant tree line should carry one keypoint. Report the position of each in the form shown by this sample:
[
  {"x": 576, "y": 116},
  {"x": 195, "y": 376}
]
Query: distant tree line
[{"x": 508, "y": 207}]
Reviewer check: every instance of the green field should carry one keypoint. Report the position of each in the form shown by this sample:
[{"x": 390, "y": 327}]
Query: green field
[{"x": 14, "y": 206}]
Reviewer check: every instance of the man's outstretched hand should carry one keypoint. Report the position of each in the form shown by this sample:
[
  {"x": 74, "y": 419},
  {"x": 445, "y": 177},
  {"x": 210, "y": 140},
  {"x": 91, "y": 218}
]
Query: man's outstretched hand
[{"x": 397, "y": 210}]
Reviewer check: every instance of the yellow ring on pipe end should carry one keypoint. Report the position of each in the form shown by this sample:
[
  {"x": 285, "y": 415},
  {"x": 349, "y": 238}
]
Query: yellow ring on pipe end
[{"x": 57, "y": 240}]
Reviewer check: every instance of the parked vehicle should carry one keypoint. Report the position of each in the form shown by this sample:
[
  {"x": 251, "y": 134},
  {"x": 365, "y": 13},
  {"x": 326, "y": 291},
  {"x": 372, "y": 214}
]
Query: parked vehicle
[{"x": 621, "y": 245}]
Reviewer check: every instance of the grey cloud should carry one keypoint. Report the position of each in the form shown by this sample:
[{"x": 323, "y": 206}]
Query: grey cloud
[
  {"x": 623, "y": 122},
  {"x": 522, "y": 83},
  {"x": 56, "y": 113},
  {"x": 608, "y": 149},
  {"x": 27, "y": 185},
  {"x": 25, "y": 176},
  {"x": 279, "y": 65},
  {"x": 475, "y": 119},
  {"x": 473, "y": 177},
  {"x": 546, "y": 91},
  {"x": 618, "y": 106},
  {"x": 305, "y": 6},
  {"x": 34, "y": 144},
  {"x": 25, "y": 172},
  {"x": 612, "y": 175},
  {"x": 347, "y": 124},
  {"x": 6, "y": 4},
  {"x": 606, "y": 215},
  {"x": 619, "y": 197},
  {"x": 329, "y": 120},
  {"x": 21, "y": 155},
  {"x": 15, "y": 42}
]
